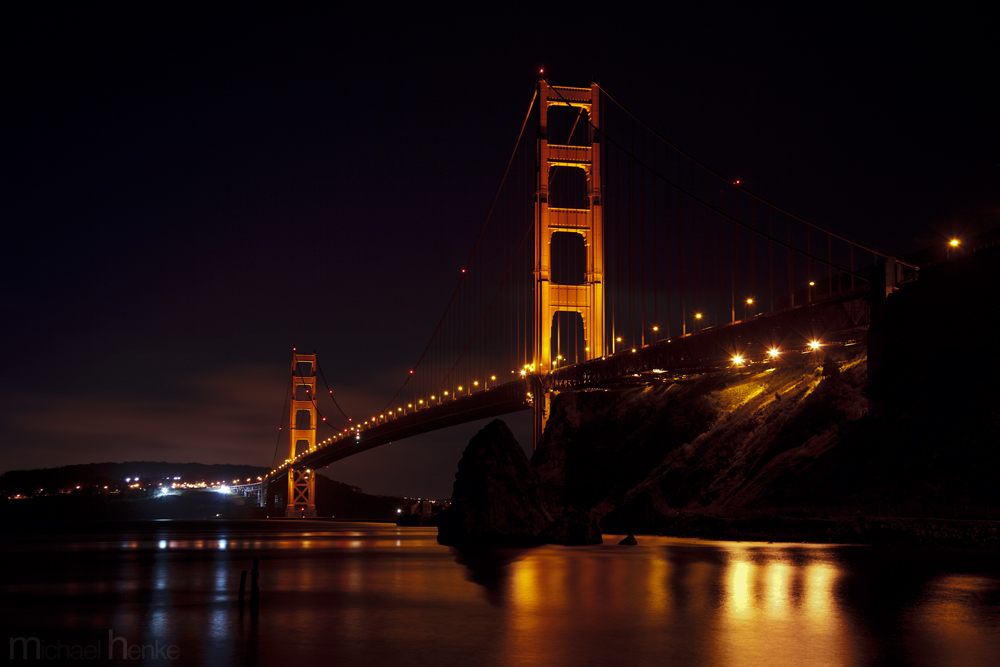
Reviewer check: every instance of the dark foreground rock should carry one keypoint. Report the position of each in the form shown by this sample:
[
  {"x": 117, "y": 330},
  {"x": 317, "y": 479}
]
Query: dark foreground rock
[
  {"x": 629, "y": 541},
  {"x": 574, "y": 528},
  {"x": 495, "y": 499}
]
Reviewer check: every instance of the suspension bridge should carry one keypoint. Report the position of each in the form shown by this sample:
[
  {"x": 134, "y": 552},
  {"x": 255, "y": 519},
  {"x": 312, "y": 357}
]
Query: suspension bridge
[{"x": 608, "y": 256}]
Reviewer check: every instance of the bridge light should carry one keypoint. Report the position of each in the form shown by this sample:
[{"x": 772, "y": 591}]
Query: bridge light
[
  {"x": 814, "y": 344},
  {"x": 773, "y": 352},
  {"x": 737, "y": 360},
  {"x": 697, "y": 316},
  {"x": 954, "y": 243},
  {"x": 523, "y": 373}
]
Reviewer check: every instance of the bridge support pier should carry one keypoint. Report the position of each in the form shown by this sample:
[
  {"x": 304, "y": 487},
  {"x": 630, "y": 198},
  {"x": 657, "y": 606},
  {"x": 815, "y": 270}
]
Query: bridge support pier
[
  {"x": 301, "y": 494},
  {"x": 583, "y": 217},
  {"x": 301, "y": 499}
]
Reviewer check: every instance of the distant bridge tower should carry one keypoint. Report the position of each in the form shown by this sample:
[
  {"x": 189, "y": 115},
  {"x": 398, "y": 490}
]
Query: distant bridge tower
[
  {"x": 584, "y": 218},
  {"x": 302, "y": 436}
]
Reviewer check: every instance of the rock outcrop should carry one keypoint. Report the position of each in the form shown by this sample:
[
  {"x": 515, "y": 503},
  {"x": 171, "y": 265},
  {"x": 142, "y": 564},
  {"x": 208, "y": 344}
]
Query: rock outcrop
[
  {"x": 574, "y": 527},
  {"x": 495, "y": 499}
]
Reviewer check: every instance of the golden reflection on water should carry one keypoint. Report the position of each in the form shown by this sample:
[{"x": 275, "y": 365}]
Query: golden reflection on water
[
  {"x": 389, "y": 596},
  {"x": 772, "y": 608},
  {"x": 712, "y": 604}
]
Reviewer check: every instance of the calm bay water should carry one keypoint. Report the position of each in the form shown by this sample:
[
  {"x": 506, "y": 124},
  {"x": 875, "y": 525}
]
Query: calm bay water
[{"x": 372, "y": 594}]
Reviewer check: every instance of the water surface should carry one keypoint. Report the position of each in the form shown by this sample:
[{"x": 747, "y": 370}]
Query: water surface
[{"x": 372, "y": 594}]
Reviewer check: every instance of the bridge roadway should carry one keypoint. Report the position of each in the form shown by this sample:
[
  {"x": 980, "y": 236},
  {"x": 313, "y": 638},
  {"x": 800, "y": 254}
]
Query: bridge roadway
[
  {"x": 836, "y": 320},
  {"x": 500, "y": 400}
]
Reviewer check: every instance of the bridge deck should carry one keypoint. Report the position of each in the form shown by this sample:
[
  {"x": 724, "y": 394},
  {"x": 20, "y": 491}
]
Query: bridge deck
[
  {"x": 837, "y": 319},
  {"x": 500, "y": 400}
]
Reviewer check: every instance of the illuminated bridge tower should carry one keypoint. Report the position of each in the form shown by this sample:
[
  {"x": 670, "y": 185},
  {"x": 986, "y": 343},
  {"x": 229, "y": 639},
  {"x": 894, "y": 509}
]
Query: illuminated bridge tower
[
  {"x": 302, "y": 436},
  {"x": 558, "y": 165}
]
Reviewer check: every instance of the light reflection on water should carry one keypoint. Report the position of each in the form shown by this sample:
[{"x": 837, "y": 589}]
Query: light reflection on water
[{"x": 375, "y": 594}]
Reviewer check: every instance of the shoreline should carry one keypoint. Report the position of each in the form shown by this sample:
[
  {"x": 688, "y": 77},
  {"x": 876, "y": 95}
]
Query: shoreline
[{"x": 874, "y": 531}]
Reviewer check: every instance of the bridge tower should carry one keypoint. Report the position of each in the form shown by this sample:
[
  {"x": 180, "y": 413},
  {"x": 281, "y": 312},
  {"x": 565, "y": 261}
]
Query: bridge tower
[
  {"x": 586, "y": 299},
  {"x": 302, "y": 432}
]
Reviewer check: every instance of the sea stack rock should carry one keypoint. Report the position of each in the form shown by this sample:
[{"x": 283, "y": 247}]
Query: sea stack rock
[{"x": 495, "y": 499}]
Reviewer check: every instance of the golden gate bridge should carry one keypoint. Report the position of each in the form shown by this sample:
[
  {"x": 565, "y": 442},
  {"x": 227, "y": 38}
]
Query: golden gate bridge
[{"x": 608, "y": 255}]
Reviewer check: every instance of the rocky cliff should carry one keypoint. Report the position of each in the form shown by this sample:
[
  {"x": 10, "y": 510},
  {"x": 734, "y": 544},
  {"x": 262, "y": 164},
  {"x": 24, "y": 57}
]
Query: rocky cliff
[
  {"x": 793, "y": 439},
  {"x": 798, "y": 439}
]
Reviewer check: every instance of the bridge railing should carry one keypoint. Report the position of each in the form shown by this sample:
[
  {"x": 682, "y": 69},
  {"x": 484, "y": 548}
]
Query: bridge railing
[{"x": 842, "y": 318}]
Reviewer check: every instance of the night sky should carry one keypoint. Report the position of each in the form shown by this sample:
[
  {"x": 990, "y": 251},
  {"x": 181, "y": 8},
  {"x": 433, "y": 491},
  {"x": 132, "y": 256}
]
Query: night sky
[{"x": 187, "y": 196}]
